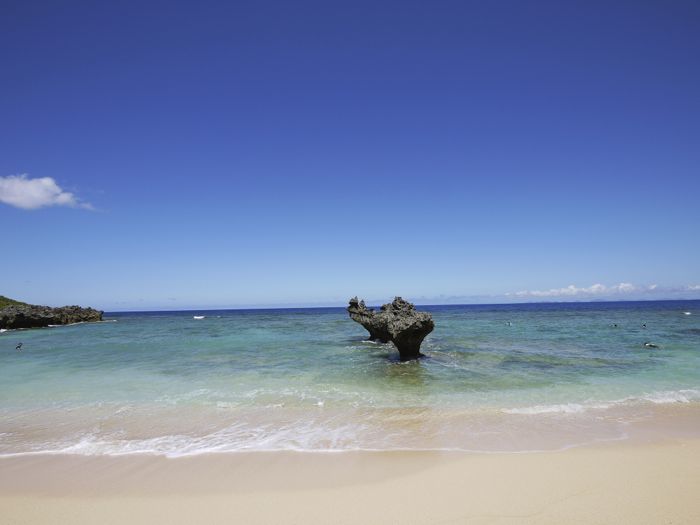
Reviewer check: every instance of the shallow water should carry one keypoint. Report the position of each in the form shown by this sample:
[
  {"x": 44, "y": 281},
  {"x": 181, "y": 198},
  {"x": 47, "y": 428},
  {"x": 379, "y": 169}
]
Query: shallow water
[{"x": 506, "y": 377}]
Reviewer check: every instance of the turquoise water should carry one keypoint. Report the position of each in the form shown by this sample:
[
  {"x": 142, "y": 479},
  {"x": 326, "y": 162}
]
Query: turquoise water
[{"x": 510, "y": 377}]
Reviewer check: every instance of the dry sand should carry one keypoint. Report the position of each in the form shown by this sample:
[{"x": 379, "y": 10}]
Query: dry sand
[{"x": 618, "y": 483}]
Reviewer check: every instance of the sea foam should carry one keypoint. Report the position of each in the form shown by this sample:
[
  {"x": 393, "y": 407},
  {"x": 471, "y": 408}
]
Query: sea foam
[{"x": 657, "y": 398}]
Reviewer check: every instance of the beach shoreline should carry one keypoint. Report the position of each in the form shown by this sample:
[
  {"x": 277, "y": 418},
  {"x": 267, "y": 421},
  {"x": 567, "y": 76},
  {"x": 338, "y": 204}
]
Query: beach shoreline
[{"x": 624, "y": 482}]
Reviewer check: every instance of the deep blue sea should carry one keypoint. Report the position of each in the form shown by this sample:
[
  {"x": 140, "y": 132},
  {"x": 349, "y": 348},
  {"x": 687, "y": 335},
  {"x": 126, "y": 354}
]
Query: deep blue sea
[{"x": 495, "y": 378}]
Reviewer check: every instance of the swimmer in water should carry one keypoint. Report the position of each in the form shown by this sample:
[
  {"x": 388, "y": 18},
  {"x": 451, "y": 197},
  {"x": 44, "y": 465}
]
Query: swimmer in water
[
  {"x": 650, "y": 345},
  {"x": 19, "y": 347}
]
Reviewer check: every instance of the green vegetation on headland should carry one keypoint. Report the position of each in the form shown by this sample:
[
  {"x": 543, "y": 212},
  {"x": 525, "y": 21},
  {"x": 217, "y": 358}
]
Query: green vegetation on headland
[{"x": 6, "y": 301}]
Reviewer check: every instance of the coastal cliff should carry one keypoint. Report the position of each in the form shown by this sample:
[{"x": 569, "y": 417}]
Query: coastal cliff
[
  {"x": 15, "y": 314},
  {"x": 398, "y": 322}
]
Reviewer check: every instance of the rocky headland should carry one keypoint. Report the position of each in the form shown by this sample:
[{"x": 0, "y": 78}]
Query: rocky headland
[
  {"x": 398, "y": 322},
  {"x": 14, "y": 314}
]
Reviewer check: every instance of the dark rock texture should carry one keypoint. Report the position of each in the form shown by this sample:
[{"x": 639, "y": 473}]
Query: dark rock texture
[
  {"x": 32, "y": 316},
  {"x": 397, "y": 321}
]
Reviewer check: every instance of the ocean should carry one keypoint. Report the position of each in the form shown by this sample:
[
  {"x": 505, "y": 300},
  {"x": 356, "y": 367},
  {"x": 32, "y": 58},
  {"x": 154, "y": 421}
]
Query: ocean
[{"x": 496, "y": 378}]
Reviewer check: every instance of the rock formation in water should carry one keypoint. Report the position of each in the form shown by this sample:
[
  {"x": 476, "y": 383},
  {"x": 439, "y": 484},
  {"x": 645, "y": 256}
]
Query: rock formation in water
[
  {"x": 20, "y": 315},
  {"x": 398, "y": 322}
]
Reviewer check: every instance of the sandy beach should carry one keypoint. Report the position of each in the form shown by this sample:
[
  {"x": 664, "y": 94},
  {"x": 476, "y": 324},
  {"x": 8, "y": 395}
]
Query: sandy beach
[{"x": 613, "y": 483}]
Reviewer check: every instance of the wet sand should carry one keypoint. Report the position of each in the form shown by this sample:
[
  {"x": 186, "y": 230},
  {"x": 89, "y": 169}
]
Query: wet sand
[{"x": 613, "y": 483}]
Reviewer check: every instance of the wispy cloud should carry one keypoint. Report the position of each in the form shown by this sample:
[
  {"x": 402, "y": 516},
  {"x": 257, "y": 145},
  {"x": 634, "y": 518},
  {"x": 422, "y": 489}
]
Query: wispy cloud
[
  {"x": 595, "y": 290},
  {"x": 31, "y": 194}
]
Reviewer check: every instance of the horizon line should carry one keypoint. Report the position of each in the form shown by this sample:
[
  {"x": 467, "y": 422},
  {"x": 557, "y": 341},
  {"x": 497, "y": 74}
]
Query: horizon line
[{"x": 210, "y": 309}]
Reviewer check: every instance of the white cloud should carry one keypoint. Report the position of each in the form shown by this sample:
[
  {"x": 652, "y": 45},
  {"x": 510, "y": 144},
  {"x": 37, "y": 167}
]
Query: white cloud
[
  {"x": 623, "y": 288},
  {"x": 593, "y": 290},
  {"x": 31, "y": 194}
]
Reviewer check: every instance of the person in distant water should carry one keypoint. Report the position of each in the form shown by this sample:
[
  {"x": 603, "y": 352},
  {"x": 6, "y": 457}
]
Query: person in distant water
[
  {"x": 650, "y": 345},
  {"x": 19, "y": 347},
  {"x": 614, "y": 325},
  {"x": 644, "y": 325}
]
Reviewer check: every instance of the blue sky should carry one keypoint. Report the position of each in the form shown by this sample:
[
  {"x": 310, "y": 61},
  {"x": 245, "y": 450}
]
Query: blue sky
[{"x": 175, "y": 155}]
